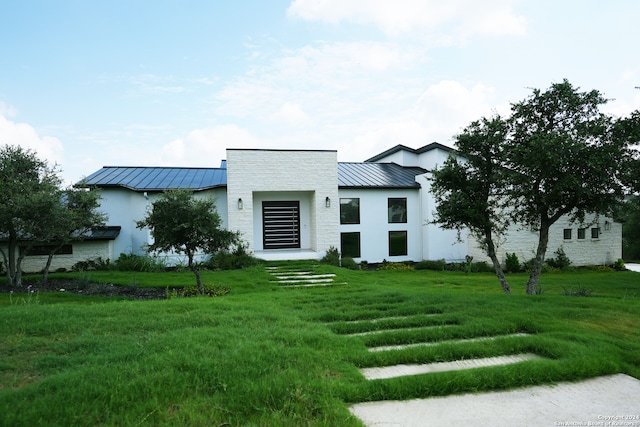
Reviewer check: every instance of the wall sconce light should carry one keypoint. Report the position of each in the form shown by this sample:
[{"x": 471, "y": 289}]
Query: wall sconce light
[
  {"x": 607, "y": 226},
  {"x": 327, "y": 202},
  {"x": 239, "y": 204}
]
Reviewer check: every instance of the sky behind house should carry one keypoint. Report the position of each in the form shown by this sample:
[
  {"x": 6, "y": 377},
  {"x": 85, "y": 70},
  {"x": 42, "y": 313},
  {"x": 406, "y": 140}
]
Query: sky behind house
[{"x": 174, "y": 83}]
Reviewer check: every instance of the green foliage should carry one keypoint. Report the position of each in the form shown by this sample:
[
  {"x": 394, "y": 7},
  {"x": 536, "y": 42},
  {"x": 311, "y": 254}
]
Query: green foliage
[
  {"x": 237, "y": 259},
  {"x": 92, "y": 264},
  {"x": 394, "y": 266},
  {"x": 187, "y": 225},
  {"x": 578, "y": 291},
  {"x": 209, "y": 291},
  {"x": 350, "y": 263},
  {"x": 599, "y": 268},
  {"x": 560, "y": 261},
  {"x": 512, "y": 263},
  {"x": 619, "y": 265},
  {"x": 332, "y": 257},
  {"x": 436, "y": 265},
  {"x": 29, "y": 194},
  {"x": 133, "y": 262}
]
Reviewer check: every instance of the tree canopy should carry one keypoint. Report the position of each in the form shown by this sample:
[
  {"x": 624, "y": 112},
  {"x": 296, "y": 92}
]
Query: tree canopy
[
  {"x": 559, "y": 155},
  {"x": 35, "y": 210},
  {"x": 181, "y": 223}
]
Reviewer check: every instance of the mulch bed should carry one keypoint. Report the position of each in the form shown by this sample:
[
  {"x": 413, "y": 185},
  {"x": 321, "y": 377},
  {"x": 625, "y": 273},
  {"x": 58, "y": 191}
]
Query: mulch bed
[{"x": 95, "y": 289}]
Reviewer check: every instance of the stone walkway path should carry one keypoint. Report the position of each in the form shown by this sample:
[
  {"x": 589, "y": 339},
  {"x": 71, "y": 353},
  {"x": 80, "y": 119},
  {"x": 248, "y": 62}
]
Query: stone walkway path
[{"x": 302, "y": 277}]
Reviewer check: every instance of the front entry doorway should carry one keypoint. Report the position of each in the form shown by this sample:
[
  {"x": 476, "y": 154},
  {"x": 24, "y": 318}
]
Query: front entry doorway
[{"x": 281, "y": 225}]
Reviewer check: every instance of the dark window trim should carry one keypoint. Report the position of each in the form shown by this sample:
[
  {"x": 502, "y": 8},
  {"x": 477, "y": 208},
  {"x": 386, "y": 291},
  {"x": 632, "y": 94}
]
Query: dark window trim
[
  {"x": 358, "y": 253},
  {"x": 566, "y": 233},
  {"x": 406, "y": 242},
  {"x": 357, "y": 221},
  {"x": 402, "y": 220}
]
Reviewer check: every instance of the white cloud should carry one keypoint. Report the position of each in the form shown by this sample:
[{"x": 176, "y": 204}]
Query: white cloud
[
  {"x": 47, "y": 148},
  {"x": 394, "y": 18},
  {"x": 206, "y": 147},
  {"x": 292, "y": 114}
]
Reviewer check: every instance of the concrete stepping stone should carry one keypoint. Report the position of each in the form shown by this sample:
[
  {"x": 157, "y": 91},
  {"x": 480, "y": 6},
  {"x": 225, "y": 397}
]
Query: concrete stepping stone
[
  {"x": 435, "y": 343},
  {"x": 457, "y": 365},
  {"x": 382, "y": 331}
]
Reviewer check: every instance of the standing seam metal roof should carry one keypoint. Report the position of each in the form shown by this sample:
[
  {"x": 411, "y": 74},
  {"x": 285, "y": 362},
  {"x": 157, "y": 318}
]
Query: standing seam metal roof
[
  {"x": 157, "y": 178},
  {"x": 350, "y": 175}
]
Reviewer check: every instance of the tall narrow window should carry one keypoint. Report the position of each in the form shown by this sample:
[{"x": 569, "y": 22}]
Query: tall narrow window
[
  {"x": 349, "y": 211},
  {"x": 595, "y": 233},
  {"x": 397, "y": 208},
  {"x": 350, "y": 245},
  {"x": 567, "y": 234},
  {"x": 582, "y": 233},
  {"x": 397, "y": 243}
]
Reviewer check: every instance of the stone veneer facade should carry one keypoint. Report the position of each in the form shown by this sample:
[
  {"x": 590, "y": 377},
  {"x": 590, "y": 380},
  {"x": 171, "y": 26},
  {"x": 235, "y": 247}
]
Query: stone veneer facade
[{"x": 309, "y": 176}]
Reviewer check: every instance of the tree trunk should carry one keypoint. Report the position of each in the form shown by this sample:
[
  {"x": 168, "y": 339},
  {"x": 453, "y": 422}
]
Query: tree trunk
[
  {"x": 47, "y": 266},
  {"x": 536, "y": 269},
  {"x": 11, "y": 265},
  {"x": 491, "y": 251},
  {"x": 195, "y": 271}
]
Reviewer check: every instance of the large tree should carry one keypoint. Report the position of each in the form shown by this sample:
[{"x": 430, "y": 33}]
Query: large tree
[
  {"x": 181, "y": 223},
  {"x": 71, "y": 220},
  {"x": 29, "y": 190},
  {"x": 556, "y": 155},
  {"x": 565, "y": 157},
  {"x": 468, "y": 187}
]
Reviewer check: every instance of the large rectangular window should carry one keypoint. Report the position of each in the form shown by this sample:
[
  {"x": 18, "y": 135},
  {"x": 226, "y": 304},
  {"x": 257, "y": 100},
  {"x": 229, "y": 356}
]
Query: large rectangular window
[
  {"x": 397, "y": 243},
  {"x": 397, "y": 208},
  {"x": 350, "y": 245},
  {"x": 349, "y": 211}
]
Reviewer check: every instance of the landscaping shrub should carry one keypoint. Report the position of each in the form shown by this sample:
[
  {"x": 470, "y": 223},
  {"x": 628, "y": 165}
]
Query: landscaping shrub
[
  {"x": 618, "y": 265},
  {"x": 394, "y": 266},
  {"x": 481, "y": 267},
  {"x": 348, "y": 262},
  {"x": 427, "y": 264},
  {"x": 92, "y": 264},
  {"x": 560, "y": 261},
  {"x": 512, "y": 263},
  {"x": 580, "y": 291},
  {"x": 237, "y": 259},
  {"x": 133, "y": 262},
  {"x": 209, "y": 291},
  {"x": 332, "y": 257}
]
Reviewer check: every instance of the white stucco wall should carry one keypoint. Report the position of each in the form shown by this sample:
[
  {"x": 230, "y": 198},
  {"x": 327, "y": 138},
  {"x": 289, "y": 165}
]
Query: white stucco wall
[
  {"x": 124, "y": 207},
  {"x": 305, "y": 175},
  {"x": 374, "y": 224},
  {"x": 437, "y": 242}
]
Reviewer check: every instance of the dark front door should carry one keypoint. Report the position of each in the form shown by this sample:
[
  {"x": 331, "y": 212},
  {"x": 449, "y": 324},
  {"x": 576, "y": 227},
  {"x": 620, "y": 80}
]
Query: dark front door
[{"x": 281, "y": 225}]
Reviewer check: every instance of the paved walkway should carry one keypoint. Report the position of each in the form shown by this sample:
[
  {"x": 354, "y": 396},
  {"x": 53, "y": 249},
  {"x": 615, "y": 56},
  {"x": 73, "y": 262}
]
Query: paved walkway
[{"x": 604, "y": 401}]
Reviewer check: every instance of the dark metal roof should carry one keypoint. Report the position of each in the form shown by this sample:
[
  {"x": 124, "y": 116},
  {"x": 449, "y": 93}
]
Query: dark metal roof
[
  {"x": 156, "y": 178},
  {"x": 401, "y": 147},
  {"x": 377, "y": 175},
  {"x": 104, "y": 233}
]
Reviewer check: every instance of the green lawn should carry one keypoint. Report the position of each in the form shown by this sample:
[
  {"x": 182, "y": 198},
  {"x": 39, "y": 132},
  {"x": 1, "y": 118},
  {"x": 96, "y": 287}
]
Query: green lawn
[{"x": 267, "y": 355}]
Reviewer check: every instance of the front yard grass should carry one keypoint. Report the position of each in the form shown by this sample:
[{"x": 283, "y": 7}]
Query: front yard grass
[{"x": 266, "y": 355}]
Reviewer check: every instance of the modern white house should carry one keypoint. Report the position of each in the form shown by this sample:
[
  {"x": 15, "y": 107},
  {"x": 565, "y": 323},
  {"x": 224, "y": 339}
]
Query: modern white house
[{"x": 297, "y": 204}]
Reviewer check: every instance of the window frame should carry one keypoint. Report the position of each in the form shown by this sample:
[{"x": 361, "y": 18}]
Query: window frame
[
  {"x": 359, "y": 244},
  {"x": 403, "y": 218},
  {"x": 566, "y": 233},
  {"x": 341, "y": 211},
  {"x": 406, "y": 242},
  {"x": 595, "y": 232},
  {"x": 582, "y": 233}
]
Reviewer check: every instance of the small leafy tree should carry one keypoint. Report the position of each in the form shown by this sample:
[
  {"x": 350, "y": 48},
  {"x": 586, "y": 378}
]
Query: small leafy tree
[
  {"x": 186, "y": 225},
  {"x": 468, "y": 189},
  {"x": 29, "y": 192},
  {"x": 71, "y": 220}
]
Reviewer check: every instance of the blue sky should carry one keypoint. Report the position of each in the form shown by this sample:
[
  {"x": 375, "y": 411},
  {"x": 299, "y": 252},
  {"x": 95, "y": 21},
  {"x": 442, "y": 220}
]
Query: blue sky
[{"x": 143, "y": 83}]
